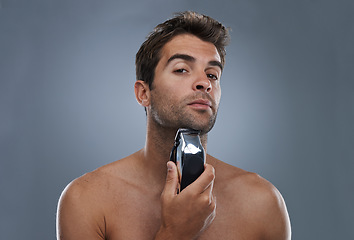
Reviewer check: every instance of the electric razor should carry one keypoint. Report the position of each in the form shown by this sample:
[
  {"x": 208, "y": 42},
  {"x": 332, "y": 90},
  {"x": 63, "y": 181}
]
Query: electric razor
[{"x": 189, "y": 156}]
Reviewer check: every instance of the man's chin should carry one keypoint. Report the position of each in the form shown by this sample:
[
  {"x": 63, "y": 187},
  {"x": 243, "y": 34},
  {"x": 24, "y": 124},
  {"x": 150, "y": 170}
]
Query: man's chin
[{"x": 203, "y": 128}]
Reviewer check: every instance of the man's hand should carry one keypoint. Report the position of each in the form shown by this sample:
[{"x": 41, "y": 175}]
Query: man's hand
[{"x": 187, "y": 214}]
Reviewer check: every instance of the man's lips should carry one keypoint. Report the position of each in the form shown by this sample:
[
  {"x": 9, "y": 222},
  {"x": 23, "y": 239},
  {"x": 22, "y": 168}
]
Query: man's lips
[{"x": 201, "y": 104}]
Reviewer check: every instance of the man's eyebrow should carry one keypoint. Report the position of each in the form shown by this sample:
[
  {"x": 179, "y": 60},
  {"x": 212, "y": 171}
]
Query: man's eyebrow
[
  {"x": 216, "y": 63},
  {"x": 192, "y": 59},
  {"x": 181, "y": 56}
]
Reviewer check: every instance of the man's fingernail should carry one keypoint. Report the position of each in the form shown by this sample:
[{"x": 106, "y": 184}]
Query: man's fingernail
[{"x": 169, "y": 166}]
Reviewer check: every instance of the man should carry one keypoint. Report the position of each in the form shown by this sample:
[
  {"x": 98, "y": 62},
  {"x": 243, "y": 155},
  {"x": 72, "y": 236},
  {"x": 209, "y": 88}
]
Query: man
[{"x": 178, "y": 83}]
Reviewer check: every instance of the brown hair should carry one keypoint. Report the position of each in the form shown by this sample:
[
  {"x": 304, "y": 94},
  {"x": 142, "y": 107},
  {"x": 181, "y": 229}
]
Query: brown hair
[{"x": 201, "y": 26}]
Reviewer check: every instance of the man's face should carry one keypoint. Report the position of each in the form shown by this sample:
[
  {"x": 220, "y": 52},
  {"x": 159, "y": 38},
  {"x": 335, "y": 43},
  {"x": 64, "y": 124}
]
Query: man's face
[{"x": 186, "y": 89}]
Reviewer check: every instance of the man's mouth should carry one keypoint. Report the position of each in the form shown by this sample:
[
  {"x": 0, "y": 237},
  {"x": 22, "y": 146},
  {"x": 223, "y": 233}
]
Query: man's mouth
[{"x": 201, "y": 104}]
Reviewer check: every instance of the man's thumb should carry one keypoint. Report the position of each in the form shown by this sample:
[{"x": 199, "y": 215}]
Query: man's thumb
[{"x": 171, "y": 179}]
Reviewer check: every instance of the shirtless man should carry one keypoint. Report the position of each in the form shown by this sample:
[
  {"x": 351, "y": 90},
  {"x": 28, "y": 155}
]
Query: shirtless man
[{"x": 178, "y": 83}]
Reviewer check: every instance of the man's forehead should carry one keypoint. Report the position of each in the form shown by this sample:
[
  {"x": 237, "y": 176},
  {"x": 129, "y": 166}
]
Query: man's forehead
[{"x": 188, "y": 44}]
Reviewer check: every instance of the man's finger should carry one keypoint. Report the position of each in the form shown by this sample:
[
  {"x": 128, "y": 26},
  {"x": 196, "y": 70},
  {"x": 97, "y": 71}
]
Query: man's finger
[{"x": 171, "y": 179}]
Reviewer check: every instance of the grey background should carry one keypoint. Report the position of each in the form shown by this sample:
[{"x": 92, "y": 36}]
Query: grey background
[{"x": 67, "y": 104}]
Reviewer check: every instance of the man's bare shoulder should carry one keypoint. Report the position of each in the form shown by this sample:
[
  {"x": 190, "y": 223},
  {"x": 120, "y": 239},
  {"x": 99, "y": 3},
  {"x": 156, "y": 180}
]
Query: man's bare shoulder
[
  {"x": 253, "y": 197},
  {"x": 94, "y": 189},
  {"x": 102, "y": 179},
  {"x": 85, "y": 202},
  {"x": 235, "y": 180}
]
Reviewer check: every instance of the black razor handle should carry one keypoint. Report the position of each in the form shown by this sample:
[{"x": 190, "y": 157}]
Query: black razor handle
[{"x": 189, "y": 156}]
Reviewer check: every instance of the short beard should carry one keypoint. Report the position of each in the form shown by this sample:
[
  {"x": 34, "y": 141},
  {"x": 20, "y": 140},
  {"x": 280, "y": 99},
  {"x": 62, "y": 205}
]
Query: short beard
[{"x": 175, "y": 116}]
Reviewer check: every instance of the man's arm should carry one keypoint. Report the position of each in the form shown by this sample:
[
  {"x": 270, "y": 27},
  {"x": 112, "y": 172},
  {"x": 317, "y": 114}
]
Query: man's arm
[{"x": 77, "y": 215}]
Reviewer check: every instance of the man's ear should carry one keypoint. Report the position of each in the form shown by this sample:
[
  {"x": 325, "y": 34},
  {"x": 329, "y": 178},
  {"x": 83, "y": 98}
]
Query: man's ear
[{"x": 142, "y": 93}]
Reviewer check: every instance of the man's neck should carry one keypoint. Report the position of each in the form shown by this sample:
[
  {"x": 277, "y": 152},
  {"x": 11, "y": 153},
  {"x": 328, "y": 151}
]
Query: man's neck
[{"x": 158, "y": 146}]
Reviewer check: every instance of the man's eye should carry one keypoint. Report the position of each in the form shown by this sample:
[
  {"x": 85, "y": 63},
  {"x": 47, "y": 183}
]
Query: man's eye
[
  {"x": 212, "y": 76},
  {"x": 182, "y": 70}
]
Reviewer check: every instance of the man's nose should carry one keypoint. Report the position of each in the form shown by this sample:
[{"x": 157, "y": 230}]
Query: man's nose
[{"x": 202, "y": 83}]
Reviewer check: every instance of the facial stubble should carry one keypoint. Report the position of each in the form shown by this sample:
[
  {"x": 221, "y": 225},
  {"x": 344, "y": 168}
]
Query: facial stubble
[{"x": 168, "y": 113}]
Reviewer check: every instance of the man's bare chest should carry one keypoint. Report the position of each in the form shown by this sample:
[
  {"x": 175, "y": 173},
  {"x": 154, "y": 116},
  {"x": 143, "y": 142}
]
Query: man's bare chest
[
  {"x": 139, "y": 217},
  {"x": 132, "y": 215}
]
